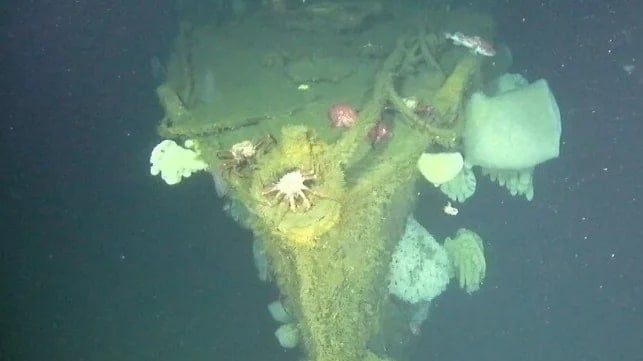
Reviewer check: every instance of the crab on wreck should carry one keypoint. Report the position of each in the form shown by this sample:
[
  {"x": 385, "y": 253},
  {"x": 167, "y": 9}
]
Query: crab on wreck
[
  {"x": 242, "y": 155},
  {"x": 292, "y": 189}
]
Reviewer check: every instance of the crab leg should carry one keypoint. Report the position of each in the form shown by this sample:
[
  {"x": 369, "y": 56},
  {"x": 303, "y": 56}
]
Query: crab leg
[{"x": 304, "y": 199}]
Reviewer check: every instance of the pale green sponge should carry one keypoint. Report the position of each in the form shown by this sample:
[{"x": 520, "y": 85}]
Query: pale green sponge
[{"x": 516, "y": 129}]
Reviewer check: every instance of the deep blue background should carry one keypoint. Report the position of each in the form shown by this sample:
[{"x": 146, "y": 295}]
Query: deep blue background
[{"x": 101, "y": 261}]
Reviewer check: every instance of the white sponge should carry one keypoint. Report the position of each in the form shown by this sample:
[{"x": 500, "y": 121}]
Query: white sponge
[
  {"x": 174, "y": 162},
  {"x": 514, "y": 130},
  {"x": 288, "y": 335},
  {"x": 279, "y": 312},
  {"x": 419, "y": 270}
]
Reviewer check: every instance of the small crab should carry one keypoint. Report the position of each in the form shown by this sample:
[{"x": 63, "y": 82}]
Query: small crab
[
  {"x": 242, "y": 155},
  {"x": 426, "y": 111},
  {"x": 290, "y": 189}
]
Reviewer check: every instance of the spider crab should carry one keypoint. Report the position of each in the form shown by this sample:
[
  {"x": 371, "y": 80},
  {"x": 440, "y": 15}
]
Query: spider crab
[
  {"x": 291, "y": 189},
  {"x": 242, "y": 155}
]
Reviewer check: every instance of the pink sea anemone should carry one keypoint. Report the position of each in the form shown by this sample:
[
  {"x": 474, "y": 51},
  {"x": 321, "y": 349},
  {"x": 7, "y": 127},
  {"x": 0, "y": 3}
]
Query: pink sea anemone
[{"x": 342, "y": 115}]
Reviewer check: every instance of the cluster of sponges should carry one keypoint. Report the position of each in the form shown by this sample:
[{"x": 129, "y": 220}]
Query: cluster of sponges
[
  {"x": 506, "y": 133},
  {"x": 448, "y": 171},
  {"x": 287, "y": 333},
  {"x": 510, "y": 132},
  {"x": 421, "y": 268}
]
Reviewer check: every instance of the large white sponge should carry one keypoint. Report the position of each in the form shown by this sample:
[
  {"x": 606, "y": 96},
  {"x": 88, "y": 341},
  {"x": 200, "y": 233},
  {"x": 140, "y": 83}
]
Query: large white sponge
[
  {"x": 514, "y": 130},
  {"x": 419, "y": 270}
]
